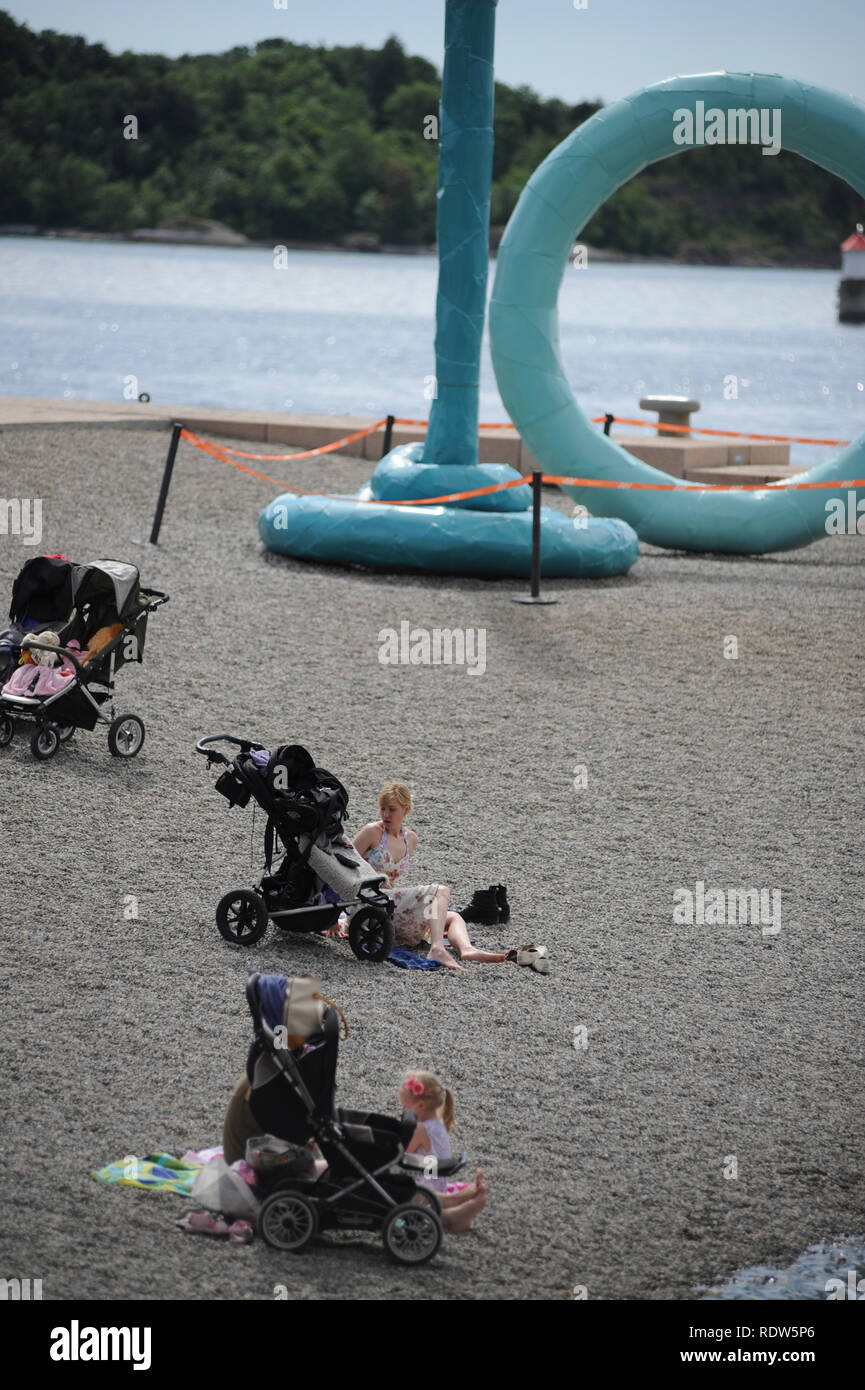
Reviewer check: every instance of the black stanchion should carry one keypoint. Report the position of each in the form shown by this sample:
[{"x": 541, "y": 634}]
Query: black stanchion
[
  {"x": 535, "y": 595},
  {"x": 608, "y": 420},
  {"x": 388, "y": 435},
  {"x": 166, "y": 483}
]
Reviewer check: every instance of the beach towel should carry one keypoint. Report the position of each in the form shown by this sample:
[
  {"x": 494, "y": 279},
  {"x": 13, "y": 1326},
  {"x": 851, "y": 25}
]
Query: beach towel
[
  {"x": 410, "y": 960},
  {"x": 159, "y": 1172},
  {"x": 165, "y": 1173}
]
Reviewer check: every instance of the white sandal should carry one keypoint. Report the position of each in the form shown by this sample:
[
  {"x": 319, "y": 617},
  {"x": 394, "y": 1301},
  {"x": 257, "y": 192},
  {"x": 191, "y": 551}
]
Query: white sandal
[{"x": 534, "y": 956}]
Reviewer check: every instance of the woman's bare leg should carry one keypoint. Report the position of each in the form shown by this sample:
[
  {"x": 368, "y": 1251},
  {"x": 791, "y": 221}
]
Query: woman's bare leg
[
  {"x": 438, "y": 916},
  {"x": 458, "y": 937}
]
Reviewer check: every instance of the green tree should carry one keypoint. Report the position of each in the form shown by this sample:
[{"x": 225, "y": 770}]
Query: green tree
[
  {"x": 290, "y": 140},
  {"x": 388, "y": 69},
  {"x": 399, "y": 203}
]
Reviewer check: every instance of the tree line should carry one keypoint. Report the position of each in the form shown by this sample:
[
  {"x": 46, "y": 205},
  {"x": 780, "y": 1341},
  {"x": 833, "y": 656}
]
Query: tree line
[{"x": 290, "y": 142}]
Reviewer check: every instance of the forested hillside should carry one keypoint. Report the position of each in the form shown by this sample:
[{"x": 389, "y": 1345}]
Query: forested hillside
[{"x": 287, "y": 142}]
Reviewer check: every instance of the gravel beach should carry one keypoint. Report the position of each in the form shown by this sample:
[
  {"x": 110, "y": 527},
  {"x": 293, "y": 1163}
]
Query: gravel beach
[{"x": 704, "y": 1043}]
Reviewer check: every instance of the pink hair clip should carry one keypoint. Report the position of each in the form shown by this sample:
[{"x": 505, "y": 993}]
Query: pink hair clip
[{"x": 415, "y": 1086}]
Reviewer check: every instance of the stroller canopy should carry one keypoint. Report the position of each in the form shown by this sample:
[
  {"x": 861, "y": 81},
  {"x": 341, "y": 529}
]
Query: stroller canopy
[
  {"x": 107, "y": 582},
  {"x": 288, "y": 1097}
]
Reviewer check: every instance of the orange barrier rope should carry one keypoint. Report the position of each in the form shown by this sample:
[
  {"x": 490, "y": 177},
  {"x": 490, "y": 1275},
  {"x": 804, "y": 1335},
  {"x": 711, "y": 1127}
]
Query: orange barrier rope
[
  {"x": 726, "y": 434},
  {"x": 216, "y": 450},
  {"x": 703, "y": 487},
  {"x": 307, "y": 453},
  {"x": 671, "y": 429},
  {"x": 508, "y": 425},
  {"x": 597, "y": 420},
  {"x": 452, "y": 496},
  {"x": 219, "y": 451}
]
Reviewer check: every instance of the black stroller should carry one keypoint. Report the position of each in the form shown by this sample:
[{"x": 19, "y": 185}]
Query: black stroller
[
  {"x": 321, "y": 872},
  {"x": 368, "y": 1184},
  {"x": 74, "y": 603}
]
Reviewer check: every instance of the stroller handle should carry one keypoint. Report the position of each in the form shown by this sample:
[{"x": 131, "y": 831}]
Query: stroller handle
[
  {"x": 244, "y": 744},
  {"x": 30, "y": 644},
  {"x": 155, "y": 598}
]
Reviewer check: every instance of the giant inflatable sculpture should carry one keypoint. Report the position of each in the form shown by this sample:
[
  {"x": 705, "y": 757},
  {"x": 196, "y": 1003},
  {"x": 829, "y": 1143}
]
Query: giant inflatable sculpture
[
  {"x": 491, "y": 534},
  {"x": 557, "y": 202}
]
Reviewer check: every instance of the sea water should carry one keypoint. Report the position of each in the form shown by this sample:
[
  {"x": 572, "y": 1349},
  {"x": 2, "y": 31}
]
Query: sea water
[
  {"x": 348, "y": 333},
  {"x": 829, "y": 1270}
]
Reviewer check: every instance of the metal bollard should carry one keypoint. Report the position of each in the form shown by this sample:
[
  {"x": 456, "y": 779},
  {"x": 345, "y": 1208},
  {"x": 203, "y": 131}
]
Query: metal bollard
[
  {"x": 166, "y": 483},
  {"x": 388, "y": 435},
  {"x": 534, "y": 596}
]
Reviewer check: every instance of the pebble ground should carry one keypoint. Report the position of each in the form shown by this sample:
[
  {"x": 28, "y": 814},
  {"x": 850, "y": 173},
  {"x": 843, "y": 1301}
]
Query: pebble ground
[{"x": 124, "y": 1024}]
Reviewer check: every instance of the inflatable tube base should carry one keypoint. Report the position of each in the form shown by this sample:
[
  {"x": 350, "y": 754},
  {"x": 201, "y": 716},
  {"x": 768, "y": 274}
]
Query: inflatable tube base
[
  {"x": 402, "y": 474},
  {"x": 445, "y": 540}
]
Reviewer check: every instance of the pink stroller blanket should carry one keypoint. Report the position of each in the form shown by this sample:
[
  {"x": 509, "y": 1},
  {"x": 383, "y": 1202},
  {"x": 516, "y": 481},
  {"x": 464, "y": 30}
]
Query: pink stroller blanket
[{"x": 38, "y": 680}]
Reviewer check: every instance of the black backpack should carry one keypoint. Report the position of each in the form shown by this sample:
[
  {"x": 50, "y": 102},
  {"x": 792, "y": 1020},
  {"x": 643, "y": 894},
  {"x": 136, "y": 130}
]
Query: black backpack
[{"x": 42, "y": 590}]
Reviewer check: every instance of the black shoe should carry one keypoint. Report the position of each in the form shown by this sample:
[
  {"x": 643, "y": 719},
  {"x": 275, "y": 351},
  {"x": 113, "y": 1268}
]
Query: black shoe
[
  {"x": 483, "y": 908},
  {"x": 503, "y": 904}
]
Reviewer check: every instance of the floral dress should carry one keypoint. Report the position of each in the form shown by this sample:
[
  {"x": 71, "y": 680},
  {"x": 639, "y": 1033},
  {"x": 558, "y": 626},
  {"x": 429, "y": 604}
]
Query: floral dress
[{"x": 412, "y": 904}]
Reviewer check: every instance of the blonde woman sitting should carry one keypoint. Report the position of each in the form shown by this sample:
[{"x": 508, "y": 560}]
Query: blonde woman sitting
[{"x": 422, "y": 911}]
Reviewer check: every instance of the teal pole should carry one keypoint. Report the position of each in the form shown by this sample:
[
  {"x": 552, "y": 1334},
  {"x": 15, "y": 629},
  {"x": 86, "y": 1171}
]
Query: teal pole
[{"x": 462, "y": 228}]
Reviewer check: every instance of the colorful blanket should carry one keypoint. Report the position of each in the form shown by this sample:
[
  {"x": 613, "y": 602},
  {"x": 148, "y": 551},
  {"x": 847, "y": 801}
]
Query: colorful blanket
[{"x": 162, "y": 1172}]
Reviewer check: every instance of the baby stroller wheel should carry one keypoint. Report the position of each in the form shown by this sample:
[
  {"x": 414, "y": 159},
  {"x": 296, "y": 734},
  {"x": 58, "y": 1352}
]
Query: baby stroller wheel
[
  {"x": 370, "y": 934},
  {"x": 125, "y": 736},
  {"x": 65, "y": 731},
  {"x": 412, "y": 1233},
  {"x": 288, "y": 1221},
  {"x": 45, "y": 742},
  {"x": 241, "y": 917},
  {"x": 7, "y": 729}
]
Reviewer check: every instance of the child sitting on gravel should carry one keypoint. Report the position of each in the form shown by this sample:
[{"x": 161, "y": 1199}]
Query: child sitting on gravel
[{"x": 424, "y": 1095}]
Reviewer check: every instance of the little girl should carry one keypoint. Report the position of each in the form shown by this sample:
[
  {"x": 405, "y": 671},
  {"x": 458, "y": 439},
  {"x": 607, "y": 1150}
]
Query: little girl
[{"x": 424, "y": 1095}]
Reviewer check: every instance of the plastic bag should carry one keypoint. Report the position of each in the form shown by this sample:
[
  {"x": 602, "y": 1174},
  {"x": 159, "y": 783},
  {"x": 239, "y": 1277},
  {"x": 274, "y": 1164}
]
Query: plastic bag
[
  {"x": 219, "y": 1189},
  {"x": 265, "y": 1151},
  {"x": 304, "y": 1008}
]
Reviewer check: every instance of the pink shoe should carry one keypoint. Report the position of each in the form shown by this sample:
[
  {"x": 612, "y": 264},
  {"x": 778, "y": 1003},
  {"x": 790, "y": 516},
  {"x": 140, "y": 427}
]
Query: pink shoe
[
  {"x": 208, "y": 1223},
  {"x": 241, "y": 1233}
]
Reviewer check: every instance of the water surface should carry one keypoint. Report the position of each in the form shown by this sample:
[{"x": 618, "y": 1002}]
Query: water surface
[{"x": 352, "y": 333}]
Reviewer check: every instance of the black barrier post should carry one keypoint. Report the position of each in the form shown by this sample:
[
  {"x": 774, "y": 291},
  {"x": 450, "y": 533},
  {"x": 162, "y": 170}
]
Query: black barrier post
[
  {"x": 535, "y": 595},
  {"x": 536, "y": 535},
  {"x": 388, "y": 435},
  {"x": 608, "y": 420},
  {"x": 166, "y": 483}
]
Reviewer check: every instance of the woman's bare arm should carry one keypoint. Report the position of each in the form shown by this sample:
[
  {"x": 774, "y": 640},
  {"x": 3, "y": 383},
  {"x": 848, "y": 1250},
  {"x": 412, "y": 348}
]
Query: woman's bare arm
[{"x": 367, "y": 837}]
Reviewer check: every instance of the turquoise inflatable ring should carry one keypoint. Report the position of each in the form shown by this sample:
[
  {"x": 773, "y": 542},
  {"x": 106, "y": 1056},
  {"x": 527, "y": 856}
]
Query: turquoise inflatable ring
[{"x": 564, "y": 192}]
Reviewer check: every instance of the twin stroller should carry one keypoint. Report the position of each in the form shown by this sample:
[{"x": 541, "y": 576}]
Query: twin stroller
[
  {"x": 321, "y": 873},
  {"x": 368, "y": 1184},
  {"x": 94, "y": 618}
]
